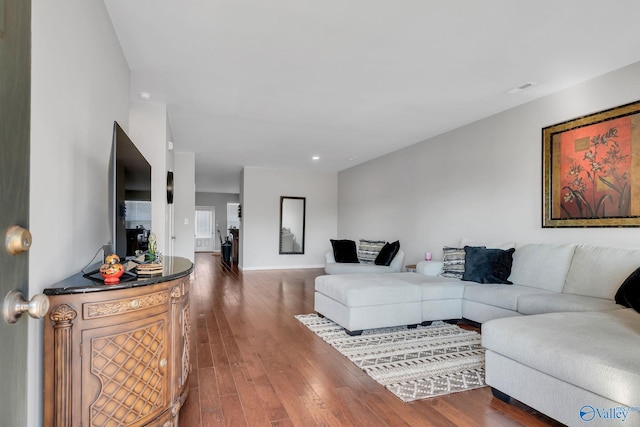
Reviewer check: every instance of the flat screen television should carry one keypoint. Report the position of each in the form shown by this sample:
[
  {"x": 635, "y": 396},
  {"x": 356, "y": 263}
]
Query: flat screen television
[{"x": 129, "y": 196}]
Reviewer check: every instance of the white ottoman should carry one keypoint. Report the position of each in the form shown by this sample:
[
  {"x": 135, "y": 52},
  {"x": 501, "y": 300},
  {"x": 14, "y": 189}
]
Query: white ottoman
[
  {"x": 441, "y": 296},
  {"x": 366, "y": 301}
]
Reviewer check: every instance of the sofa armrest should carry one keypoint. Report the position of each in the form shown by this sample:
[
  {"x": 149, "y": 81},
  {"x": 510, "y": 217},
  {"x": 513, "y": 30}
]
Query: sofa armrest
[
  {"x": 329, "y": 257},
  {"x": 429, "y": 268},
  {"x": 397, "y": 262}
]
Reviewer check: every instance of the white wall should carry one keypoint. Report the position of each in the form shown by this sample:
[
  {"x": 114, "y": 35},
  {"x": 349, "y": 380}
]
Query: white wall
[
  {"x": 149, "y": 131},
  {"x": 219, "y": 201},
  {"x": 80, "y": 85},
  {"x": 480, "y": 181},
  {"x": 184, "y": 204},
  {"x": 259, "y": 231}
]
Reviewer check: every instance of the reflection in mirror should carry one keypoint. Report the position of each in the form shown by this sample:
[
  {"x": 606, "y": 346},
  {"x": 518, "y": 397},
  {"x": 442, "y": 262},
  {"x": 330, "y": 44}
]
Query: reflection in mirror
[{"x": 292, "y": 225}]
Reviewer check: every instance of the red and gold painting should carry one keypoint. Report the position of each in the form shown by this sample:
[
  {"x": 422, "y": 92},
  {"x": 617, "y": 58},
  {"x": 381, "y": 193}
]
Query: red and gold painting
[{"x": 591, "y": 170}]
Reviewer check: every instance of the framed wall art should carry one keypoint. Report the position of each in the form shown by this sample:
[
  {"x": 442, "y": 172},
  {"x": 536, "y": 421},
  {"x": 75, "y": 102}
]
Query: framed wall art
[{"x": 591, "y": 170}]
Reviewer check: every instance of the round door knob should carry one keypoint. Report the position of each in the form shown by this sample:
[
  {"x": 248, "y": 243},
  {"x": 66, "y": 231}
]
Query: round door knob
[
  {"x": 17, "y": 240},
  {"x": 15, "y": 305}
]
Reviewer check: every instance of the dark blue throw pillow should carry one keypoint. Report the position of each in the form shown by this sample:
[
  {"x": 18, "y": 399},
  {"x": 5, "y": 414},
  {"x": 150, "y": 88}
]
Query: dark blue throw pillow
[
  {"x": 387, "y": 253},
  {"x": 484, "y": 265},
  {"x": 629, "y": 292},
  {"x": 344, "y": 250}
]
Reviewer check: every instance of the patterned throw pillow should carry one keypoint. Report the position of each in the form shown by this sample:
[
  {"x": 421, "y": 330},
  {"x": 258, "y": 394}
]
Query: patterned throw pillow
[
  {"x": 453, "y": 262},
  {"x": 368, "y": 250}
]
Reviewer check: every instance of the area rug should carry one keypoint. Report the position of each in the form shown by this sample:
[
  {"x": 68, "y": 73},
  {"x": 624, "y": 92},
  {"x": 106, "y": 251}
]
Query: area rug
[{"x": 413, "y": 364}]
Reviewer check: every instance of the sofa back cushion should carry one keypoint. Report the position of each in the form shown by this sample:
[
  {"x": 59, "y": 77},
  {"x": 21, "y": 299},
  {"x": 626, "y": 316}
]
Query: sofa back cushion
[
  {"x": 541, "y": 266},
  {"x": 599, "y": 271}
]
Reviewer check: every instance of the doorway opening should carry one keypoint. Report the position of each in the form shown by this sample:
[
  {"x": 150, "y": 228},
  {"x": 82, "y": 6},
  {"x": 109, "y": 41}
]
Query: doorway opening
[{"x": 204, "y": 220}]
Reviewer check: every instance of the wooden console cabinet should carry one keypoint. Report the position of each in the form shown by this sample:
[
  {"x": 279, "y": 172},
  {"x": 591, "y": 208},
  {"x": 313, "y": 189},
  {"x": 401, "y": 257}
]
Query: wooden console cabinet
[{"x": 118, "y": 355}]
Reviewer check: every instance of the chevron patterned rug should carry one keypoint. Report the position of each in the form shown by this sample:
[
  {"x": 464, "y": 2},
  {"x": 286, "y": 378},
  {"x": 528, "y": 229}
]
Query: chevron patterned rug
[{"x": 413, "y": 364}]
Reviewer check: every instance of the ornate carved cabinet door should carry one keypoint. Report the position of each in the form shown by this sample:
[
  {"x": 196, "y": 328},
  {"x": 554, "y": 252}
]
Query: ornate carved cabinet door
[{"x": 129, "y": 376}]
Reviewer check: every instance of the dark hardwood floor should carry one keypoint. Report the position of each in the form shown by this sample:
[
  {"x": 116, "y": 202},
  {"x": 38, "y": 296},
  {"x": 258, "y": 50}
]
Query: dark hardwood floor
[{"x": 255, "y": 365}]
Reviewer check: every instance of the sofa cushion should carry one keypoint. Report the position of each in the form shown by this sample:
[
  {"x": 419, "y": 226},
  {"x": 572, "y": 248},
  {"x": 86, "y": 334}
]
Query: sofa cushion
[
  {"x": 484, "y": 265},
  {"x": 629, "y": 292},
  {"x": 442, "y": 290},
  {"x": 360, "y": 290},
  {"x": 498, "y": 295},
  {"x": 541, "y": 266},
  {"x": 596, "y": 351},
  {"x": 557, "y": 302},
  {"x": 368, "y": 250},
  {"x": 387, "y": 253},
  {"x": 355, "y": 268},
  {"x": 344, "y": 250},
  {"x": 452, "y": 262},
  {"x": 434, "y": 287},
  {"x": 599, "y": 271}
]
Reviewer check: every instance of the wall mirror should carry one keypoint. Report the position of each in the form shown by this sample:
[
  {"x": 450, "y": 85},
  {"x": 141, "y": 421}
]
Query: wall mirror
[{"x": 292, "y": 210}]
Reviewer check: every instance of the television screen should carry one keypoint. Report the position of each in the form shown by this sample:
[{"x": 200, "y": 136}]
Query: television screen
[{"x": 130, "y": 196}]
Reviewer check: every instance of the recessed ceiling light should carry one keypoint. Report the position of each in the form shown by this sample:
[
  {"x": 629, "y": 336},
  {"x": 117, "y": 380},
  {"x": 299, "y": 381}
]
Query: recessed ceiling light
[
  {"x": 315, "y": 158},
  {"x": 352, "y": 158},
  {"x": 524, "y": 86},
  {"x": 145, "y": 96}
]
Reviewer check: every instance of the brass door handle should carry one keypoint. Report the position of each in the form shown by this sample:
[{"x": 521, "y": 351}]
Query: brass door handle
[
  {"x": 17, "y": 240},
  {"x": 15, "y": 305}
]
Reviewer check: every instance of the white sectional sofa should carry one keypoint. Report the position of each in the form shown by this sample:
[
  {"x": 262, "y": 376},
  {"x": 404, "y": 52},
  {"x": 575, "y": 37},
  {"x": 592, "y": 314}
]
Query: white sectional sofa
[
  {"x": 580, "y": 368},
  {"x": 547, "y": 278},
  {"x": 555, "y": 339}
]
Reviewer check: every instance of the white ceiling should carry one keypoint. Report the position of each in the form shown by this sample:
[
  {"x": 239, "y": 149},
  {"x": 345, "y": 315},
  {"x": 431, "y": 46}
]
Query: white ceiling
[{"x": 272, "y": 83}]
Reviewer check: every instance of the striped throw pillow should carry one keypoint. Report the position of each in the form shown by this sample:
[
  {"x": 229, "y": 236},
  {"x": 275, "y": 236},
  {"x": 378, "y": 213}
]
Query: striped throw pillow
[
  {"x": 368, "y": 250},
  {"x": 453, "y": 262}
]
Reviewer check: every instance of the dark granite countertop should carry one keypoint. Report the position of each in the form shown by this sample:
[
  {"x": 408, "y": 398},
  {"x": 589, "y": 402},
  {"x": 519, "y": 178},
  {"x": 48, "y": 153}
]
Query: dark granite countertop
[{"x": 172, "y": 268}]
